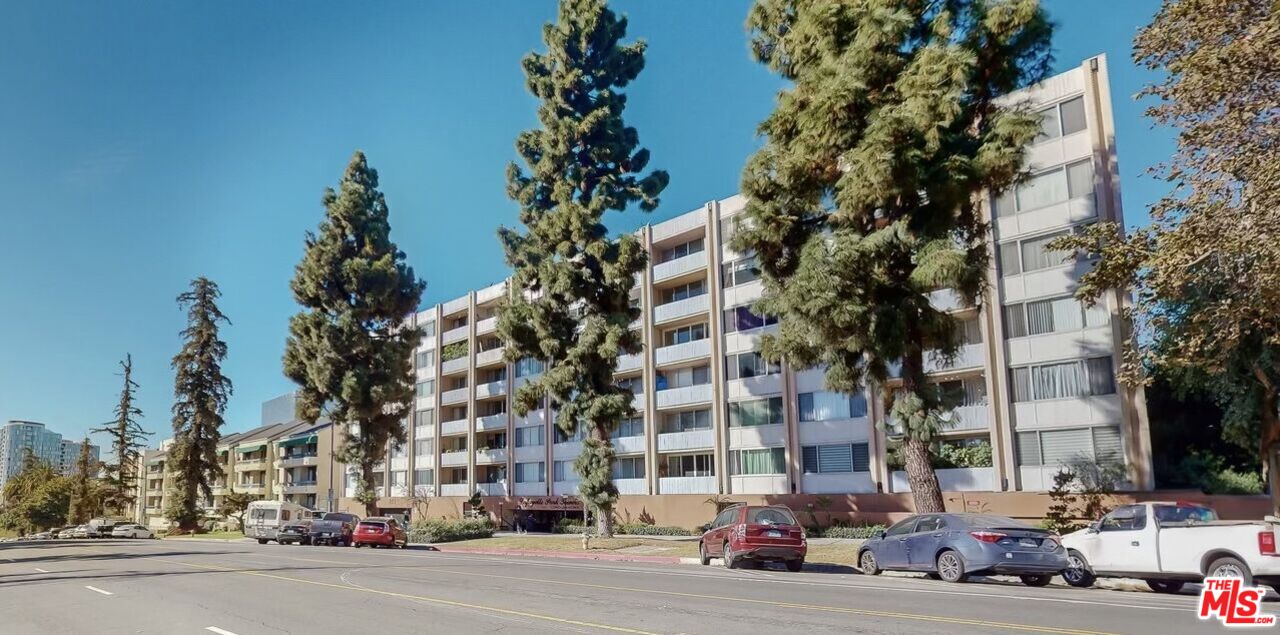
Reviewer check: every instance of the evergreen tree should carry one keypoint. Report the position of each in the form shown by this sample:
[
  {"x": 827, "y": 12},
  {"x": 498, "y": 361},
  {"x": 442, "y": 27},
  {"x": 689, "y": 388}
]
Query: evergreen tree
[
  {"x": 235, "y": 504},
  {"x": 866, "y": 196},
  {"x": 127, "y": 435},
  {"x": 84, "y": 491},
  {"x": 570, "y": 301},
  {"x": 36, "y": 498},
  {"x": 349, "y": 349},
  {"x": 200, "y": 393}
]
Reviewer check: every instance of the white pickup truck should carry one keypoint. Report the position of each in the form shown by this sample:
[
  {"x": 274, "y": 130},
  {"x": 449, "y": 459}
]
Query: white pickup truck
[{"x": 1170, "y": 544}]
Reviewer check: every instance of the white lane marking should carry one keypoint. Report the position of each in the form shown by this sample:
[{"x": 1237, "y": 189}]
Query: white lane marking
[
  {"x": 219, "y": 631},
  {"x": 94, "y": 588},
  {"x": 41, "y": 570}
]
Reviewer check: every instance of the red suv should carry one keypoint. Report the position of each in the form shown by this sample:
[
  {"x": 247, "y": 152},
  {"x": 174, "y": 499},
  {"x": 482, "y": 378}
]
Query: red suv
[
  {"x": 755, "y": 533},
  {"x": 386, "y": 532}
]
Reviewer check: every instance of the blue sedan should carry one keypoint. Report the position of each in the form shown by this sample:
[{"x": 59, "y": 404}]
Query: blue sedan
[{"x": 955, "y": 546}]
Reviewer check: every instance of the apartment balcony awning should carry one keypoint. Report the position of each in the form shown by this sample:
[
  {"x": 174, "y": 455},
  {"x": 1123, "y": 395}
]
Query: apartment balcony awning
[
  {"x": 296, "y": 441},
  {"x": 244, "y": 449}
]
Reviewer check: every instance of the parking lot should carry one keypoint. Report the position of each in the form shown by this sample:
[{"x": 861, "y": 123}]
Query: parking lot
[{"x": 111, "y": 586}]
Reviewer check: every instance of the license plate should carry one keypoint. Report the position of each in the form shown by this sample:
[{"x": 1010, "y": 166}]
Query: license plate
[
  {"x": 774, "y": 534},
  {"x": 1028, "y": 542}
]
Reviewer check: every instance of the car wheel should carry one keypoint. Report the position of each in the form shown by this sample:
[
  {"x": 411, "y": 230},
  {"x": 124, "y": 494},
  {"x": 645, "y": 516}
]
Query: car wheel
[
  {"x": 1229, "y": 567},
  {"x": 702, "y": 554},
  {"x": 867, "y": 562},
  {"x": 1036, "y": 580},
  {"x": 262, "y": 541},
  {"x": 1165, "y": 586},
  {"x": 1077, "y": 573},
  {"x": 356, "y": 545},
  {"x": 726, "y": 554},
  {"x": 796, "y": 565},
  {"x": 950, "y": 566}
]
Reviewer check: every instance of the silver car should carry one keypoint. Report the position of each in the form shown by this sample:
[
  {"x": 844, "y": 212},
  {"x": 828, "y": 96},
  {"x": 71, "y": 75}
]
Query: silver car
[{"x": 955, "y": 546}]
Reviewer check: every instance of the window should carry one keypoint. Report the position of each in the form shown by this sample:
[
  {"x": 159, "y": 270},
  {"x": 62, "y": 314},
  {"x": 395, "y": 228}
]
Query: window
[
  {"x": 690, "y": 465},
  {"x": 971, "y": 391},
  {"x": 632, "y": 427},
  {"x": 531, "y": 472},
  {"x": 757, "y": 462},
  {"x": 1126, "y": 518},
  {"x": 929, "y": 523},
  {"x": 635, "y": 385},
  {"x": 528, "y": 367},
  {"x": 749, "y": 364},
  {"x": 424, "y": 477},
  {"x": 564, "y": 471},
  {"x": 840, "y": 457},
  {"x": 628, "y": 467},
  {"x": 684, "y": 334},
  {"x": 757, "y": 412},
  {"x": 1030, "y": 255},
  {"x": 424, "y": 447},
  {"x": 740, "y": 271},
  {"x": 429, "y": 329},
  {"x": 1076, "y": 378},
  {"x": 425, "y": 388},
  {"x": 579, "y": 435},
  {"x": 686, "y": 421},
  {"x": 1056, "y": 185},
  {"x": 684, "y": 377},
  {"x": 901, "y": 528},
  {"x": 398, "y": 451},
  {"x": 823, "y": 406},
  {"x": 684, "y": 291},
  {"x": 532, "y": 436},
  {"x": 1055, "y": 315},
  {"x": 1061, "y": 119},
  {"x": 424, "y": 359},
  {"x": 424, "y": 418},
  {"x": 680, "y": 251},
  {"x": 1056, "y": 447},
  {"x": 399, "y": 479},
  {"x": 740, "y": 318}
]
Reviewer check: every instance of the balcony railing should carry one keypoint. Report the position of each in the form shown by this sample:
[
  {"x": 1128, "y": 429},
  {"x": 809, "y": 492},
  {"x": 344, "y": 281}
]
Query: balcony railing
[
  {"x": 489, "y": 357},
  {"x": 491, "y": 389},
  {"x": 487, "y": 457},
  {"x": 455, "y": 365},
  {"x": 455, "y": 489},
  {"x": 453, "y": 459},
  {"x": 457, "y": 426},
  {"x": 457, "y": 395},
  {"x": 487, "y": 325},
  {"x": 686, "y": 396},
  {"x": 696, "y": 305},
  {"x": 689, "y": 440},
  {"x": 680, "y": 266},
  {"x": 492, "y": 422},
  {"x": 687, "y": 485},
  {"x": 682, "y": 352},
  {"x": 454, "y": 335},
  {"x": 630, "y": 362}
]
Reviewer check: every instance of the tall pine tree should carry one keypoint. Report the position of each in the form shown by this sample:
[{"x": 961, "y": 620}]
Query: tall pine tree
[
  {"x": 200, "y": 393},
  {"x": 572, "y": 281},
  {"x": 349, "y": 349},
  {"x": 127, "y": 438},
  {"x": 866, "y": 196},
  {"x": 84, "y": 490}
]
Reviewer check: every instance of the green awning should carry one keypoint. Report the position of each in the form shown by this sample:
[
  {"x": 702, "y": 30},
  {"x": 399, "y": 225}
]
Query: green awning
[
  {"x": 250, "y": 448},
  {"x": 156, "y": 461},
  {"x": 296, "y": 441}
]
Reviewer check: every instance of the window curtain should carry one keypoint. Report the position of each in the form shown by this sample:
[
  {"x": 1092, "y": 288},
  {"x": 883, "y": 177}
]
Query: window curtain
[
  {"x": 1015, "y": 321},
  {"x": 1101, "y": 377},
  {"x": 1009, "y": 263},
  {"x": 1073, "y": 118},
  {"x": 1080, "y": 179},
  {"x": 1042, "y": 190},
  {"x": 763, "y": 461},
  {"x": 1035, "y": 254},
  {"x": 1056, "y": 381}
]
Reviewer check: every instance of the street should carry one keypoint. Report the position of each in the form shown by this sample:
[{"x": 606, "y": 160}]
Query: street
[{"x": 243, "y": 588}]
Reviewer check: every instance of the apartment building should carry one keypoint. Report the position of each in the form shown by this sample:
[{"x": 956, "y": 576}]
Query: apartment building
[
  {"x": 1036, "y": 370},
  {"x": 19, "y": 437}
]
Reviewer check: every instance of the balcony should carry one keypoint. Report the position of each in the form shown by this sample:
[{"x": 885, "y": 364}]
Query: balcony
[
  {"x": 686, "y": 351},
  {"x": 687, "y": 485},
  {"x": 758, "y": 484},
  {"x": 627, "y": 363},
  {"x": 250, "y": 465},
  {"x": 680, "y": 266},
  {"x": 491, "y": 389},
  {"x": 970, "y": 418},
  {"x": 681, "y": 224},
  {"x": 492, "y": 489},
  {"x": 946, "y": 300},
  {"x": 487, "y": 325},
  {"x": 535, "y": 417},
  {"x": 457, "y": 426},
  {"x": 968, "y": 356},
  {"x": 967, "y": 479},
  {"x": 757, "y": 436},
  {"x": 455, "y": 489},
  {"x": 298, "y": 460},
  {"x": 400, "y": 463},
  {"x": 424, "y": 432},
  {"x": 690, "y": 440},
  {"x": 632, "y": 486},
  {"x": 531, "y": 489},
  {"x": 455, "y": 335},
  {"x": 491, "y": 357},
  {"x": 489, "y": 457},
  {"x": 300, "y": 487},
  {"x": 687, "y": 396},
  {"x": 454, "y": 366},
  {"x": 629, "y": 445},
  {"x": 672, "y": 311},
  {"x": 453, "y": 459},
  {"x": 492, "y": 422},
  {"x": 457, "y": 395},
  {"x": 251, "y": 488},
  {"x": 564, "y": 488}
]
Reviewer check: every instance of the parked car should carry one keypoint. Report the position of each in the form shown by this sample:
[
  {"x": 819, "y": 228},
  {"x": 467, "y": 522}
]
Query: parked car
[
  {"x": 81, "y": 531},
  {"x": 264, "y": 519},
  {"x": 130, "y": 530},
  {"x": 297, "y": 531},
  {"x": 334, "y": 528},
  {"x": 43, "y": 535},
  {"x": 380, "y": 531},
  {"x": 754, "y": 534},
  {"x": 956, "y": 546},
  {"x": 102, "y": 527},
  {"x": 61, "y": 532},
  {"x": 1168, "y": 544}
]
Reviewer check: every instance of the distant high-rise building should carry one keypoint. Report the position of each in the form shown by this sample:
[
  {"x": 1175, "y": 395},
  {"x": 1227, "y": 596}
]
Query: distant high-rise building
[{"x": 16, "y": 437}]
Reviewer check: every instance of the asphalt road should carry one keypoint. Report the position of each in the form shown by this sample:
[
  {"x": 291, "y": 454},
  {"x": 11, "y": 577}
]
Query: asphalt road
[{"x": 242, "y": 588}]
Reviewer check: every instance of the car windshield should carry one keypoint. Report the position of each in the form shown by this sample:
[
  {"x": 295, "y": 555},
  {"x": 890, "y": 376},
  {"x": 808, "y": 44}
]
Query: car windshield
[
  {"x": 770, "y": 516},
  {"x": 1185, "y": 514},
  {"x": 373, "y": 525}
]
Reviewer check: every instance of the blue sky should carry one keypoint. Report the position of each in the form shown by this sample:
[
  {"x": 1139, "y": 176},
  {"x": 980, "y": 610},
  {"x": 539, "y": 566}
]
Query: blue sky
[{"x": 144, "y": 144}]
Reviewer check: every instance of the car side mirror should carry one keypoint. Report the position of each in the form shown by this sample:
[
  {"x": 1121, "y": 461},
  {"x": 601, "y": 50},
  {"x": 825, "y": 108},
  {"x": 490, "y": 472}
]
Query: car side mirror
[
  {"x": 882, "y": 534},
  {"x": 1094, "y": 528}
]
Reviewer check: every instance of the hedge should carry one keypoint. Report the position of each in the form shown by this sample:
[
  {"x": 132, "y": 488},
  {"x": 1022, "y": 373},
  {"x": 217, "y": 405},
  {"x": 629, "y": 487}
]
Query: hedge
[
  {"x": 861, "y": 532},
  {"x": 633, "y": 529},
  {"x": 451, "y": 530}
]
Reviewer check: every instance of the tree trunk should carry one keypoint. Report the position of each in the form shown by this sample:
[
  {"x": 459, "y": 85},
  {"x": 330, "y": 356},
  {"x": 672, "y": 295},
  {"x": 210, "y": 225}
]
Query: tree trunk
[
  {"x": 604, "y": 522},
  {"x": 371, "y": 491},
  {"x": 925, "y": 491}
]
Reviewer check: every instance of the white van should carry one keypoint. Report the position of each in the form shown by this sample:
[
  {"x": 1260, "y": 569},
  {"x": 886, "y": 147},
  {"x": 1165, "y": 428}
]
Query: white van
[{"x": 264, "y": 519}]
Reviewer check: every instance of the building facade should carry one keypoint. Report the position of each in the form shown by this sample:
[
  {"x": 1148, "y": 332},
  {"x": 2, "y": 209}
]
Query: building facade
[{"x": 18, "y": 437}]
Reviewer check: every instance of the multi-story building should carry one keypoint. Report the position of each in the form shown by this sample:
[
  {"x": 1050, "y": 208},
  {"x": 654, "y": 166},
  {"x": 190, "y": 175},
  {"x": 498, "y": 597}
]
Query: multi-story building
[
  {"x": 19, "y": 437},
  {"x": 1036, "y": 369}
]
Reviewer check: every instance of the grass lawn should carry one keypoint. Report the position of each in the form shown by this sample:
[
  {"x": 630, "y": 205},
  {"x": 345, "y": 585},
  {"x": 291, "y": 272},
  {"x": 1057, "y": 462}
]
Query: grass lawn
[
  {"x": 214, "y": 535},
  {"x": 844, "y": 554},
  {"x": 8, "y": 533}
]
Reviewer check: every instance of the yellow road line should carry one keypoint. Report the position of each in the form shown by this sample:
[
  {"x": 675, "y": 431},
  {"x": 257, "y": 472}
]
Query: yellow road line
[{"x": 422, "y": 598}]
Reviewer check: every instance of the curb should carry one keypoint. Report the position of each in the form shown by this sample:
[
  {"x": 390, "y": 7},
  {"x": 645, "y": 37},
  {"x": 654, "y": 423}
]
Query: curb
[
  {"x": 568, "y": 555},
  {"x": 184, "y": 539}
]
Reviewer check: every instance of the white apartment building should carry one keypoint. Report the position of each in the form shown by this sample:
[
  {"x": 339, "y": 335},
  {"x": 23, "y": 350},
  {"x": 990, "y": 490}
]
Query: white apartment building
[{"x": 1037, "y": 369}]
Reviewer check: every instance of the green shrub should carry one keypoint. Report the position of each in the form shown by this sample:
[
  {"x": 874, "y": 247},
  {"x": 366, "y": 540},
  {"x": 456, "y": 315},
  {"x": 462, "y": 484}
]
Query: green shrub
[
  {"x": 444, "y": 530},
  {"x": 641, "y": 529},
  {"x": 859, "y": 532},
  {"x": 1229, "y": 481},
  {"x": 951, "y": 455},
  {"x": 571, "y": 526},
  {"x": 453, "y": 351}
]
